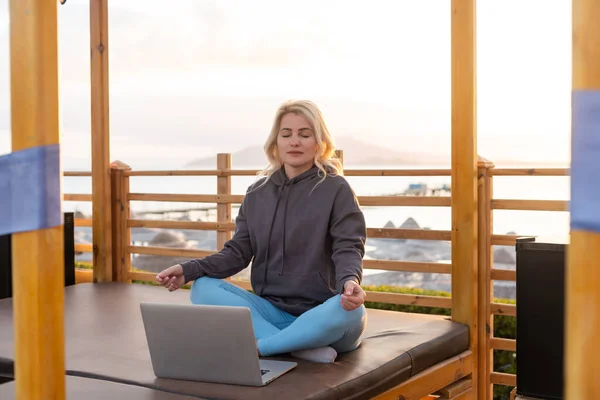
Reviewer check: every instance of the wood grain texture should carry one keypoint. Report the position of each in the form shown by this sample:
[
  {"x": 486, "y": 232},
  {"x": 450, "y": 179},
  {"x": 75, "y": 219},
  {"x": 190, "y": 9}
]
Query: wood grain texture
[
  {"x": 38, "y": 259},
  {"x": 100, "y": 152},
  {"x": 464, "y": 174}
]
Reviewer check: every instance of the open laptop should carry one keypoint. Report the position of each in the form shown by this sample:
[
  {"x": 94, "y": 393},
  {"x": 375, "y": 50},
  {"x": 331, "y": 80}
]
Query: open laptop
[{"x": 206, "y": 343}]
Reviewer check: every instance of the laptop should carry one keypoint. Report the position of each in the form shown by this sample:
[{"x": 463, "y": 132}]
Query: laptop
[{"x": 206, "y": 343}]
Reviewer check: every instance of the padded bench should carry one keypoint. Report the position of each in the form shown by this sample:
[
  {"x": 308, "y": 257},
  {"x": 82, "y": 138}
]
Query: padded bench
[
  {"x": 105, "y": 340},
  {"x": 92, "y": 389}
]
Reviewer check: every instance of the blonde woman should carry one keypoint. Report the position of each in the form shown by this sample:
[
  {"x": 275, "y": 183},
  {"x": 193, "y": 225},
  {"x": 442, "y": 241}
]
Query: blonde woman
[{"x": 301, "y": 226}]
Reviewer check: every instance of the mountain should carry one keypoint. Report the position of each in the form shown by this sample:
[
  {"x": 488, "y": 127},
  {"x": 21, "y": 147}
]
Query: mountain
[{"x": 356, "y": 153}]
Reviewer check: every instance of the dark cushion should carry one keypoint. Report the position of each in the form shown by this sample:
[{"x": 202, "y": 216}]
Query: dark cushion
[
  {"x": 105, "y": 339},
  {"x": 78, "y": 388}
]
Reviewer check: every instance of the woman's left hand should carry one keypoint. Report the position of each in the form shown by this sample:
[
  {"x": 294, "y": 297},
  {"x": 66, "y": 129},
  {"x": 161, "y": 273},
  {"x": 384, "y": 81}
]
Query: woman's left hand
[{"x": 353, "y": 296}]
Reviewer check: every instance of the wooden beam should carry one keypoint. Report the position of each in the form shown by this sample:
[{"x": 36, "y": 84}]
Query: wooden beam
[
  {"x": 223, "y": 210},
  {"x": 101, "y": 211},
  {"x": 486, "y": 286},
  {"x": 121, "y": 233},
  {"x": 38, "y": 259},
  {"x": 432, "y": 379},
  {"x": 464, "y": 174},
  {"x": 582, "y": 342}
]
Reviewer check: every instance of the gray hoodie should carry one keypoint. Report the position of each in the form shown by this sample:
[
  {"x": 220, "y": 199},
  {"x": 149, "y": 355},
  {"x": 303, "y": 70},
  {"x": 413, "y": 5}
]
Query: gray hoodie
[{"x": 304, "y": 240}]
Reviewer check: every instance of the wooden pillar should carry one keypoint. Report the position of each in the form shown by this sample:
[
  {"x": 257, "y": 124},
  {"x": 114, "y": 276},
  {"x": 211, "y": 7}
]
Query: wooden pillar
[
  {"x": 223, "y": 188},
  {"x": 121, "y": 234},
  {"x": 38, "y": 259},
  {"x": 101, "y": 197},
  {"x": 485, "y": 287},
  {"x": 582, "y": 338},
  {"x": 464, "y": 174}
]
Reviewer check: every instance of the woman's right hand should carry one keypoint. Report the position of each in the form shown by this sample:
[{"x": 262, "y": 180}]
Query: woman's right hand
[{"x": 172, "y": 278}]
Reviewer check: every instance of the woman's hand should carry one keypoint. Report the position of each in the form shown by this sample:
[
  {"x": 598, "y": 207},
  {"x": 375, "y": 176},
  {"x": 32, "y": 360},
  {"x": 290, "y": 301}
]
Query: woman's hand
[
  {"x": 172, "y": 278},
  {"x": 353, "y": 296}
]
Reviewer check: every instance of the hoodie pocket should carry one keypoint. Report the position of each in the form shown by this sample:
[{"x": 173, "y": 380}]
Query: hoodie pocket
[{"x": 296, "y": 286}]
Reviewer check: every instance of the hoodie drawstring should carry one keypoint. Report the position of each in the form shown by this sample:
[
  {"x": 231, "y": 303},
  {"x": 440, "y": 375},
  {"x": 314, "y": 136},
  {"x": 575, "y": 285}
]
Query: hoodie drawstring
[
  {"x": 287, "y": 196},
  {"x": 269, "y": 240}
]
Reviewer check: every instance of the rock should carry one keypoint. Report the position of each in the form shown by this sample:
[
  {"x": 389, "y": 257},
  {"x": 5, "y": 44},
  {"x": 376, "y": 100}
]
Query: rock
[
  {"x": 410, "y": 223},
  {"x": 503, "y": 255}
]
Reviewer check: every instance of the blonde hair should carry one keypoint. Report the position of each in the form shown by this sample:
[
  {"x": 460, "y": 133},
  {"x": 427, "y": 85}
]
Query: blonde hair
[{"x": 325, "y": 157}]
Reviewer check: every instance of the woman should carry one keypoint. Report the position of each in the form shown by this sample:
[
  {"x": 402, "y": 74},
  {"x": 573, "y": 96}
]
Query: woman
[{"x": 301, "y": 226}]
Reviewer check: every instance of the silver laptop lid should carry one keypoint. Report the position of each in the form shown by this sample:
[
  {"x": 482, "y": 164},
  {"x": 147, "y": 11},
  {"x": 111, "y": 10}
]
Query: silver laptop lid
[{"x": 202, "y": 343}]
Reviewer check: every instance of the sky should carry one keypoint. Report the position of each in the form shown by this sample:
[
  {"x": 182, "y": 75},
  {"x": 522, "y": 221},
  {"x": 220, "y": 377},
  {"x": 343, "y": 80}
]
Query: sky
[{"x": 190, "y": 78}]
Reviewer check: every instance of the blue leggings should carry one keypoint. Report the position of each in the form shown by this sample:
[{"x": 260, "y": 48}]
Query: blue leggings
[{"x": 279, "y": 332}]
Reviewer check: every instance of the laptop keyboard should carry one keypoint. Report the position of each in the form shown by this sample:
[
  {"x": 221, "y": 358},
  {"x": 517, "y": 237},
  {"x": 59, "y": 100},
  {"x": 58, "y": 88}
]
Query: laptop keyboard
[{"x": 264, "y": 371}]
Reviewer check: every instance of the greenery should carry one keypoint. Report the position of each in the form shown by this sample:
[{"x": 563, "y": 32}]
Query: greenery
[{"x": 504, "y": 326}]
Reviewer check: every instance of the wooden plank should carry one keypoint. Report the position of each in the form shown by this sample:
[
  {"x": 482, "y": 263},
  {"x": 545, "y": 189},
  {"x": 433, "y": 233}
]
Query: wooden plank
[
  {"x": 485, "y": 289},
  {"x": 498, "y": 378},
  {"x": 530, "y": 205},
  {"x": 83, "y": 222},
  {"x": 38, "y": 275},
  {"x": 399, "y": 233},
  {"x": 506, "y": 240},
  {"x": 432, "y": 379},
  {"x": 187, "y": 198},
  {"x": 83, "y": 276},
  {"x": 455, "y": 389},
  {"x": 198, "y": 172},
  {"x": 582, "y": 342},
  {"x": 77, "y": 197},
  {"x": 101, "y": 214},
  {"x": 77, "y": 173},
  {"x": 531, "y": 172},
  {"x": 503, "y": 309},
  {"x": 253, "y": 172},
  {"x": 397, "y": 172},
  {"x": 172, "y": 224},
  {"x": 503, "y": 275},
  {"x": 223, "y": 210},
  {"x": 404, "y": 201},
  {"x": 408, "y": 266},
  {"x": 169, "y": 251},
  {"x": 366, "y": 201},
  {"x": 84, "y": 248},
  {"x": 464, "y": 173},
  {"x": 382, "y": 233},
  {"x": 410, "y": 299},
  {"x": 503, "y": 344}
]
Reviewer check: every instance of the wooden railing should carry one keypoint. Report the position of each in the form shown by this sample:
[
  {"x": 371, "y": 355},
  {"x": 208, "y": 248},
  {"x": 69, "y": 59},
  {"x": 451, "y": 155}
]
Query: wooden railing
[
  {"x": 487, "y": 274},
  {"x": 224, "y": 226}
]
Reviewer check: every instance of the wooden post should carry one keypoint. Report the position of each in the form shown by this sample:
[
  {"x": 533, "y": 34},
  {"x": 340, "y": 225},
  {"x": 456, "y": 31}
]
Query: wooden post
[
  {"x": 38, "y": 259},
  {"x": 486, "y": 286},
  {"x": 121, "y": 234},
  {"x": 582, "y": 340},
  {"x": 223, "y": 210},
  {"x": 464, "y": 174},
  {"x": 101, "y": 214}
]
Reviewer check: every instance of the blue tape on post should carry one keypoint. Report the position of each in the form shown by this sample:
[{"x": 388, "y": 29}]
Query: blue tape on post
[
  {"x": 30, "y": 190},
  {"x": 585, "y": 160}
]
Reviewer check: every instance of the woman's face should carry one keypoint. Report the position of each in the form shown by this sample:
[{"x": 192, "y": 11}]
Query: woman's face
[{"x": 296, "y": 144}]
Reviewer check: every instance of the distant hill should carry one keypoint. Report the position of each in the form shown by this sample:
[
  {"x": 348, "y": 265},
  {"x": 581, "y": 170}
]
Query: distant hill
[{"x": 356, "y": 153}]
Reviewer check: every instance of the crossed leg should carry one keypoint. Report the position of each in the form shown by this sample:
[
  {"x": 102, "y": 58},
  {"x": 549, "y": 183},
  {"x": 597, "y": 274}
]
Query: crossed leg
[{"x": 279, "y": 332}]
